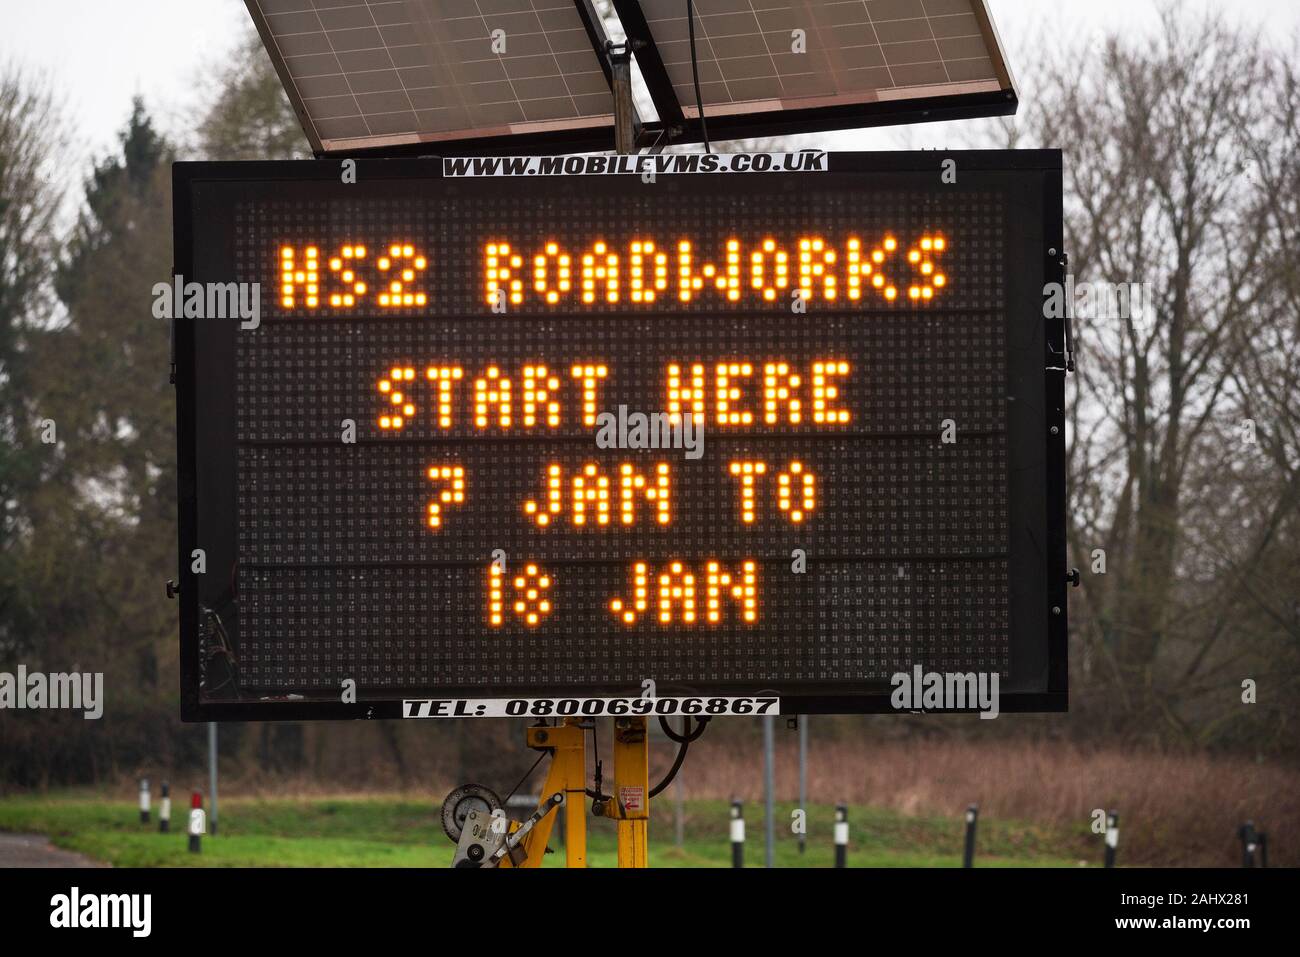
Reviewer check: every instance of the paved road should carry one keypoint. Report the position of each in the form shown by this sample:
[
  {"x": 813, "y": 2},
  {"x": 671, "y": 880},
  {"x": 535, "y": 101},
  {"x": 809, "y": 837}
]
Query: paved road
[{"x": 35, "y": 850}]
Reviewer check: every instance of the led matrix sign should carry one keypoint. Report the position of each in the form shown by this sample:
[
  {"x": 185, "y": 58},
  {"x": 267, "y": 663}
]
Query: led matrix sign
[{"x": 768, "y": 437}]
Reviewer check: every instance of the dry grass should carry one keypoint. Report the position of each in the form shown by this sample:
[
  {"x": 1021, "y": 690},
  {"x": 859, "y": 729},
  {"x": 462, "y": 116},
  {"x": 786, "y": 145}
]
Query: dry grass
[{"x": 1175, "y": 810}]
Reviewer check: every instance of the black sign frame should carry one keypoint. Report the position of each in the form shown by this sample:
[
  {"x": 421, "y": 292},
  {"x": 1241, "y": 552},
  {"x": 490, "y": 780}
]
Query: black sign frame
[{"x": 1037, "y": 559}]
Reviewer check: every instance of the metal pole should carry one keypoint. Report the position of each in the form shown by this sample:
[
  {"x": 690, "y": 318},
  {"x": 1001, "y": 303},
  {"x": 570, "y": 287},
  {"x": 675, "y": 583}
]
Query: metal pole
[
  {"x": 620, "y": 78},
  {"x": 769, "y": 761},
  {"x": 212, "y": 775},
  {"x": 972, "y": 815},
  {"x": 631, "y": 786},
  {"x": 803, "y": 777}
]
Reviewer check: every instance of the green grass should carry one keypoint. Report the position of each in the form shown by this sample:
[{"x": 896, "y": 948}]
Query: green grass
[{"x": 397, "y": 832}]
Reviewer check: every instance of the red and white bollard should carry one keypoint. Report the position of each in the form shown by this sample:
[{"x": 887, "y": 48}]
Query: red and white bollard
[{"x": 198, "y": 821}]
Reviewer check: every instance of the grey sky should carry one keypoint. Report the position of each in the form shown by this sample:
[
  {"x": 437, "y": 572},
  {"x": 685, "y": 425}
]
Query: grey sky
[{"x": 99, "y": 53}]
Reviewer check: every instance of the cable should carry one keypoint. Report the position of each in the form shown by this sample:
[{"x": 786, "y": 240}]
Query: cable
[
  {"x": 672, "y": 772},
  {"x": 685, "y": 740},
  {"x": 687, "y": 736},
  {"x": 596, "y": 793},
  {"x": 695, "y": 75},
  {"x": 218, "y": 628},
  {"x": 525, "y": 777}
]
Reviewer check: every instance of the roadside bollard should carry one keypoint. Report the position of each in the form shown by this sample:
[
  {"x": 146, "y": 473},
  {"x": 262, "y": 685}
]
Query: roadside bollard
[
  {"x": 1112, "y": 837},
  {"x": 1249, "y": 843},
  {"x": 144, "y": 800},
  {"x": 737, "y": 835},
  {"x": 972, "y": 815},
  {"x": 841, "y": 835},
  {"x": 198, "y": 822},
  {"x": 165, "y": 810}
]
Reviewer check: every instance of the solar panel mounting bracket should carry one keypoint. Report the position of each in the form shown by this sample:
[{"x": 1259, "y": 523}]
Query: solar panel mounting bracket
[{"x": 627, "y": 125}]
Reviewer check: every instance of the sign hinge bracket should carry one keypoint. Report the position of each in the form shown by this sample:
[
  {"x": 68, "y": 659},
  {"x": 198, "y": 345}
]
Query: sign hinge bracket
[{"x": 1066, "y": 320}]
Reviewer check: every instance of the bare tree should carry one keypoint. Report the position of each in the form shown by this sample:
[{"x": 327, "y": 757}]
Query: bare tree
[
  {"x": 31, "y": 136},
  {"x": 1179, "y": 152}
]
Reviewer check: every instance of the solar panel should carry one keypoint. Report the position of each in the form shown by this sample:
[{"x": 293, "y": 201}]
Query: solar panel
[
  {"x": 466, "y": 76},
  {"x": 764, "y": 56},
  {"x": 379, "y": 73}
]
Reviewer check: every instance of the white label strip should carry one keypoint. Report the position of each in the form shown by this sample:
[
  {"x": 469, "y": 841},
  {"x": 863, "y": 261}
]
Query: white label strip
[
  {"x": 666, "y": 164},
  {"x": 701, "y": 707}
]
